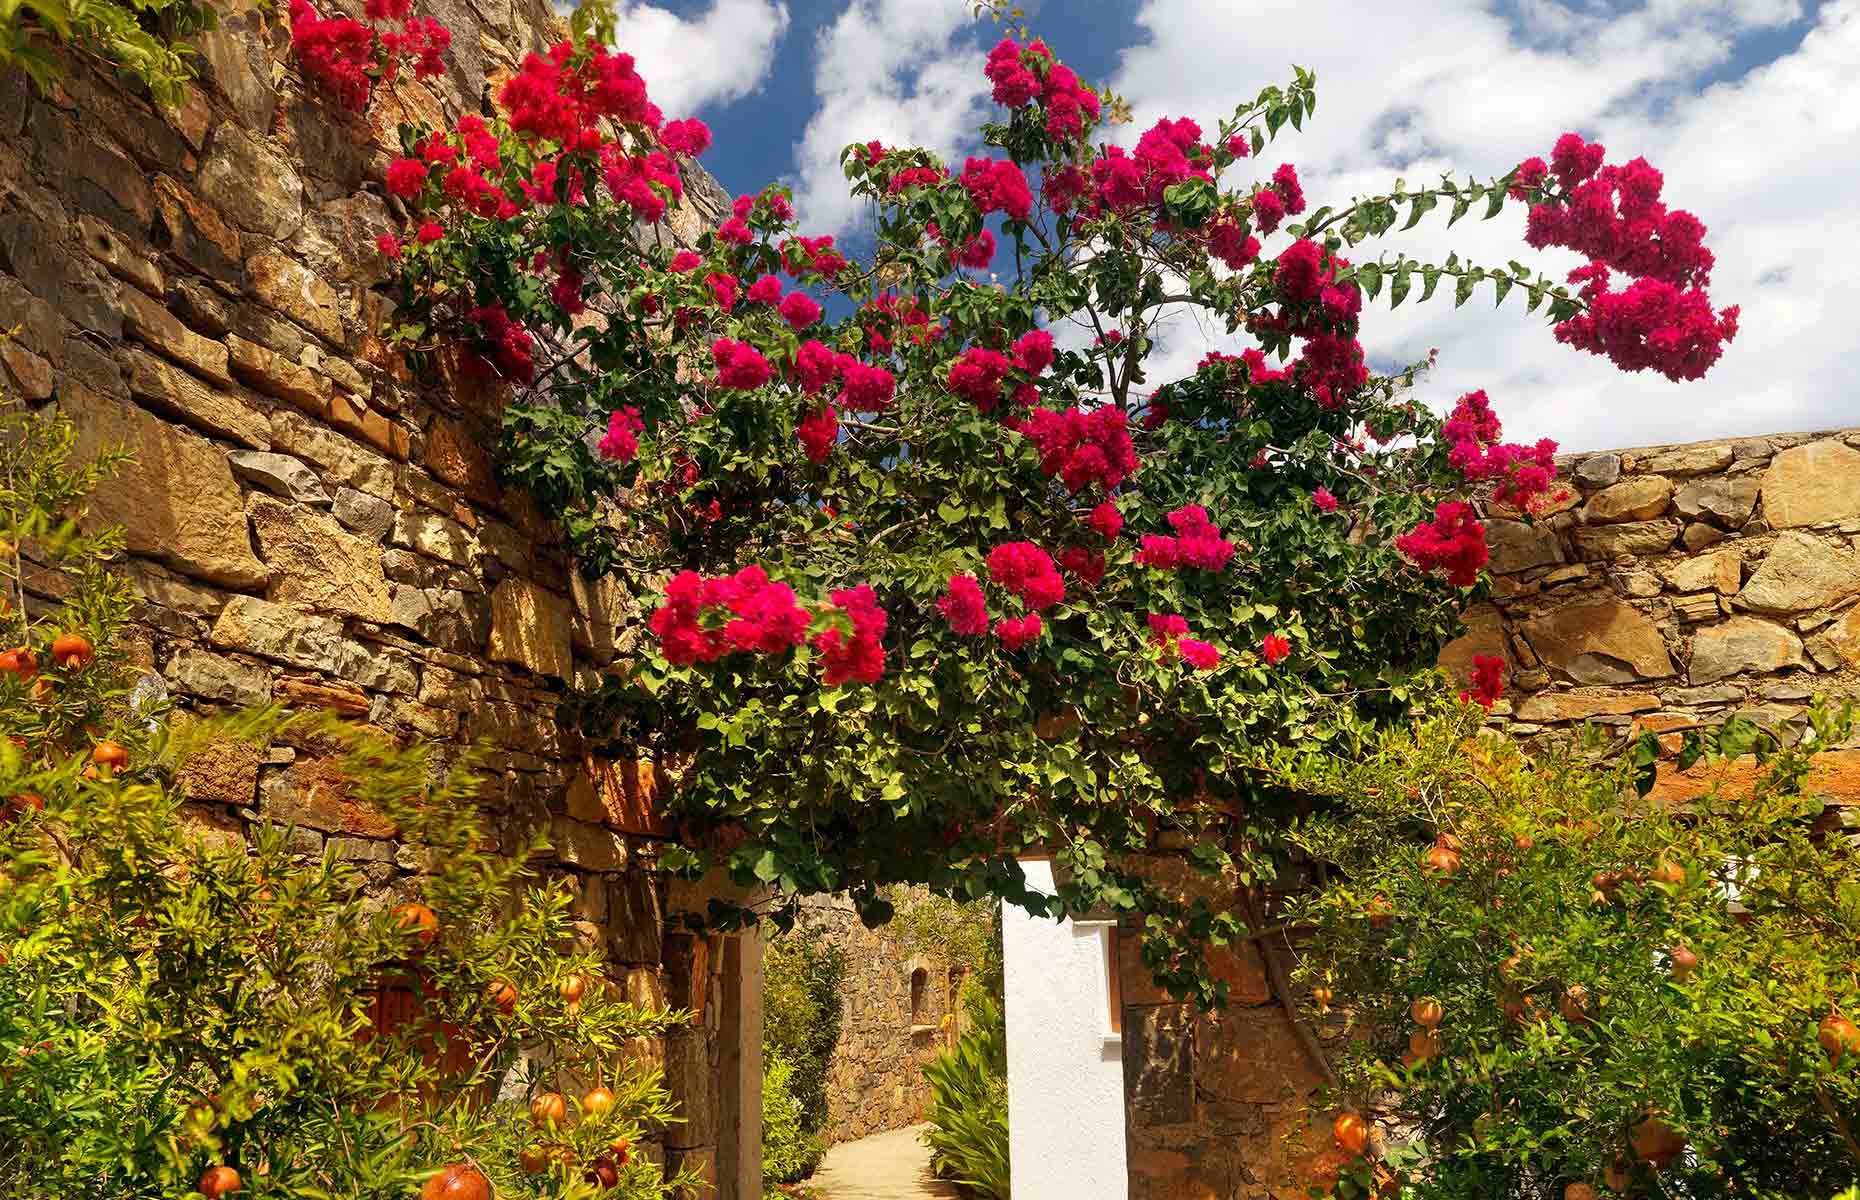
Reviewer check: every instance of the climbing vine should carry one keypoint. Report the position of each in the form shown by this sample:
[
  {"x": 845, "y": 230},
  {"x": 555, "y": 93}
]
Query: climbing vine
[{"x": 946, "y": 577}]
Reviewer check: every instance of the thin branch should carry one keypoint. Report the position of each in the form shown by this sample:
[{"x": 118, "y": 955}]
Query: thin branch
[{"x": 1282, "y": 985}]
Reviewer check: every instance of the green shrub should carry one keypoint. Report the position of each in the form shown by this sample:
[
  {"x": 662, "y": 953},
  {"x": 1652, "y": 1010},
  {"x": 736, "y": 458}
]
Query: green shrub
[
  {"x": 1631, "y": 995},
  {"x": 968, "y": 1135},
  {"x": 801, "y": 1013},
  {"x": 179, "y": 1006},
  {"x": 146, "y": 40},
  {"x": 789, "y": 1152}
]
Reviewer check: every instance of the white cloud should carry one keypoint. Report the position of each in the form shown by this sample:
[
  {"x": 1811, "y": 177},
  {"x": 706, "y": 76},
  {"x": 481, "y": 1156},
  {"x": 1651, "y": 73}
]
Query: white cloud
[
  {"x": 713, "y": 57},
  {"x": 1770, "y": 161},
  {"x": 903, "y": 71}
]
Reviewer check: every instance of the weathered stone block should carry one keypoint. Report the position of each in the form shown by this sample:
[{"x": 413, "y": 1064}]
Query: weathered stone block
[
  {"x": 434, "y": 535},
  {"x": 1812, "y": 485},
  {"x": 271, "y": 373},
  {"x": 317, "y": 564},
  {"x": 273, "y": 631},
  {"x": 529, "y": 627},
  {"x": 34, "y": 253},
  {"x": 1720, "y": 571},
  {"x": 287, "y": 286},
  {"x": 1725, "y": 500},
  {"x": 225, "y": 772},
  {"x": 1516, "y": 546},
  {"x": 370, "y": 516},
  {"x": 1159, "y": 1064},
  {"x": 118, "y": 256},
  {"x": 341, "y": 461},
  {"x": 1582, "y": 705},
  {"x": 1636, "y": 537},
  {"x": 175, "y": 393},
  {"x": 1598, "y": 471},
  {"x": 256, "y": 186},
  {"x": 1602, "y": 641},
  {"x": 176, "y": 501},
  {"x": 1802, "y": 572},
  {"x": 1640, "y": 498},
  {"x": 1688, "y": 460},
  {"x": 279, "y": 474},
  {"x": 216, "y": 677},
  {"x": 194, "y": 232},
  {"x": 1743, "y": 644},
  {"x": 152, "y": 324}
]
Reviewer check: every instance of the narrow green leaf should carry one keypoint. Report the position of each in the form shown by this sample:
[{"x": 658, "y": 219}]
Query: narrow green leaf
[
  {"x": 1398, "y": 289},
  {"x": 1495, "y": 204},
  {"x": 1430, "y": 279},
  {"x": 1463, "y": 290},
  {"x": 1423, "y": 204},
  {"x": 1459, "y": 209},
  {"x": 1370, "y": 276}
]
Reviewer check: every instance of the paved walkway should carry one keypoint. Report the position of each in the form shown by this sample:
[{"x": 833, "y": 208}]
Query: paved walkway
[{"x": 885, "y": 1166}]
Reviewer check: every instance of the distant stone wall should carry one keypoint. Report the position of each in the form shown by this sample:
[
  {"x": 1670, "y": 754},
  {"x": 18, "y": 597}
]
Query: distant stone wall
[
  {"x": 1677, "y": 585},
  {"x": 308, "y": 523},
  {"x": 875, "y": 1081},
  {"x": 1668, "y": 587}
]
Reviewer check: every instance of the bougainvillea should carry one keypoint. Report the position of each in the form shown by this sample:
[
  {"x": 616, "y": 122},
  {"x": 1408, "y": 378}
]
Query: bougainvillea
[
  {"x": 349, "y": 59},
  {"x": 906, "y": 637}
]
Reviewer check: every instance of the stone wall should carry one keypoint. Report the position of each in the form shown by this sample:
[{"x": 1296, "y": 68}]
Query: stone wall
[
  {"x": 1665, "y": 588},
  {"x": 875, "y": 1081},
  {"x": 308, "y": 523}
]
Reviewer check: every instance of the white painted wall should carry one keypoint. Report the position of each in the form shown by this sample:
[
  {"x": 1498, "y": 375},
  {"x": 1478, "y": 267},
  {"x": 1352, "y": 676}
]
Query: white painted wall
[{"x": 1065, "y": 1065}]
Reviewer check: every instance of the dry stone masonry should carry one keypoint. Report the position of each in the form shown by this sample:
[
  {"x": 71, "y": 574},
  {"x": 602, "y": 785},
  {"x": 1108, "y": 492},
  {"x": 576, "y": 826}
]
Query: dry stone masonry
[{"x": 309, "y": 523}]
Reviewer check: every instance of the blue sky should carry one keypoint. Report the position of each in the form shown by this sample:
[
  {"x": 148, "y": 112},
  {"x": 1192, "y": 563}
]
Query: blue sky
[{"x": 1749, "y": 106}]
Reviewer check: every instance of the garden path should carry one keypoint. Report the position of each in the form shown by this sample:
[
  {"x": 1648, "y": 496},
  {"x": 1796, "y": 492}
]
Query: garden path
[{"x": 885, "y": 1166}]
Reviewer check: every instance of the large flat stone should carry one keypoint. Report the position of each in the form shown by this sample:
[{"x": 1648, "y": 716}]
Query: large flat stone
[
  {"x": 279, "y": 474},
  {"x": 277, "y": 632},
  {"x": 216, "y": 677},
  {"x": 1743, "y": 644},
  {"x": 1688, "y": 460},
  {"x": 1601, "y": 641},
  {"x": 1802, "y": 573},
  {"x": 288, "y": 287},
  {"x": 256, "y": 186},
  {"x": 1640, "y": 498},
  {"x": 1632, "y": 538},
  {"x": 1516, "y": 546},
  {"x": 316, "y": 563},
  {"x": 175, "y": 393},
  {"x": 176, "y": 501},
  {"x": 1725, "y": 500},
  {"x": 1811, "y": 485},
  {"x": 530, "y": 627},
  {"x": 153, "y": 325},
  {"x": 1580, "y": 706},
  {"x": 1720, "y": 571}
]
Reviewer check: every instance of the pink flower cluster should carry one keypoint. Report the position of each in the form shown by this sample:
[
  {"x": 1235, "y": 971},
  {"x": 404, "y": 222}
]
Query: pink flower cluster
[
  {"x": 1025, "y": 570},
  {"x": 964, "y": 607},
  {"x": 1197, "y": 543},
  {"x": 863, "y": 387},
  {"x": 817, "y": 432},
  {"x": 346, "y": 57},
  {"x": 1524, "y": 472},
  {"x": 508, "y": 346},
  {"x": 1488, "y": 680},
  {"x": 1168, "y": 153},
  {"x": 1613, "y": 216},
  {"x": 1083, "y": 564},
  {"x": 1454, "y": 542},
  {"x": 1022, "y": 76},
  {"x": 1016, "y": 632},
  {"x": 1106, "y": 521},
  {"x": 859, "y": 657},
  {"x": 996, "y": 185},
  {"x": 1275, "y": 648},
  {"x": 703, "y": 619},
  {"x": 739, "y": 365},
  {"x": 1082, "y": 447},
  {"x": 563, "y": 96},
  {"x": 1170, "y": 633},
  {"x": 1283, "y": 195},
  {"x": 978, "y": 374},
  {"x": 621, "y": 443}
]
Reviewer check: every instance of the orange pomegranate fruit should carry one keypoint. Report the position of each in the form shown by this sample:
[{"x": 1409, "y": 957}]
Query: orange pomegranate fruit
[
  {"x": 1351, "y": 1132},
  {"x": 1441, "y": 863},
  {"x": 459, "y": 1181},
  {"x": 572, "y": 987},
  {"x": 1683, "y": 962},
  {"x": 503, "y": 996},
  {"x": 1656, "y": 1141},
  {"x": 72, "y": 651},
  {"x": 422, "y": 921},
  {"x": 219, "y": 1181},
  {"x": 550, "y": 1108},
  {"x": 111, "y": 755},
  {"x": 597, "y": 1102},
  {"x": 1837, "y": 1036},
  {"x": 1427, "y": 1012}
]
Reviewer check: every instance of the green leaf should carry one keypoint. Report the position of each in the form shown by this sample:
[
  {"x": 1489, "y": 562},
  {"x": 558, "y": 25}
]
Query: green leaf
[
  {"x": 1423, "y": 204},
  {"x": 1501, "y": 284},
  {"x": 1463, "y": 289},
  {"x": 1370, "y": 276},
  {"x": 1398, "y": 288},
  {"x": 766, "y": 869},
  {"x": 1459, "y": 209},
  {"x": 1430, "y": 279}
]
